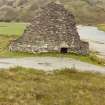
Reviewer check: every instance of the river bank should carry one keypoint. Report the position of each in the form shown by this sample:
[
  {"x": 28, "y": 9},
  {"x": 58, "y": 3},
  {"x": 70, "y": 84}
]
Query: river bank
[{"x": 95, "y": 37}]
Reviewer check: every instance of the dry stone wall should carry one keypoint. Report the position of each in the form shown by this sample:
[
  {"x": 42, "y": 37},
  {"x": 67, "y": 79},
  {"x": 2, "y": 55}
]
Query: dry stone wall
[{"x": 51, "y": 27}]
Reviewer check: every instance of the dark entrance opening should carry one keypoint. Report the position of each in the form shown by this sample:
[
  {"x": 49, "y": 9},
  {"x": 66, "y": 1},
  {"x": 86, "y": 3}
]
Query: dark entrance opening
[{"x": 64, "y": 50}]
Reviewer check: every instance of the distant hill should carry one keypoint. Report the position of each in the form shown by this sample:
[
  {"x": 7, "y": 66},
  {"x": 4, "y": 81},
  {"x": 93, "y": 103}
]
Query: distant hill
[{"x": 85, "y": 11}]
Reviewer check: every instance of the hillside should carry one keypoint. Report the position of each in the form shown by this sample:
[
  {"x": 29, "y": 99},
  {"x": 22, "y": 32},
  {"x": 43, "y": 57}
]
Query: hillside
[{"x": 85, "y": 11}]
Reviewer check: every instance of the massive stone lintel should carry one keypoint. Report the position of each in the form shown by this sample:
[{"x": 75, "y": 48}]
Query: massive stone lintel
[{"x": 52, "y": 29}]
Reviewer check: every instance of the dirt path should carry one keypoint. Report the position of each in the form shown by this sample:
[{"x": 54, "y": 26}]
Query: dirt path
[{"x": 49, "y": 64}]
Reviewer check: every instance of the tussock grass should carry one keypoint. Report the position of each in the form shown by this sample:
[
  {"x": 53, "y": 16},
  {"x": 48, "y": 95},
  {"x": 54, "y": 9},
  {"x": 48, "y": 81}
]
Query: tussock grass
[
  {"x": 20, "y": 86},
  {"x": 101, "y": 27},
  {"x": 94, "y": 58}
]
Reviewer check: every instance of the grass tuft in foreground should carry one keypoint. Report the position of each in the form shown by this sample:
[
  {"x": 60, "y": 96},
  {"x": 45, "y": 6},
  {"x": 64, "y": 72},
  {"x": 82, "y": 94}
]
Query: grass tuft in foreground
[
  {"x": 20, "y": 86},
  {"x": 101, "y": 27}
]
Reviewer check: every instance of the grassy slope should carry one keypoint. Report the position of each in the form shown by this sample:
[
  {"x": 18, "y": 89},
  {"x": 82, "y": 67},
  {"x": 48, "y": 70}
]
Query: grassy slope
[
  {"x": 85, "y": 11},
  {"x": 88, "y": 12},
  {"x": 21, "y": 86}
]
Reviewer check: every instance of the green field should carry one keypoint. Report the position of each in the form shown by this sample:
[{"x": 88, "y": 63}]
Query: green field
[
  {"x": 20, "y": 86},
  {"x": 12, "y": 28}
]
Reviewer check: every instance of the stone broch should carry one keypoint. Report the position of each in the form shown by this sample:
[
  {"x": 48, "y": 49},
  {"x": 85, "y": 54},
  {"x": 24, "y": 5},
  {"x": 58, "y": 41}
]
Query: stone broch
[{"x": 52, "y": 29}]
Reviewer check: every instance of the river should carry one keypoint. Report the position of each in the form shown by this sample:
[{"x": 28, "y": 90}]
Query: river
[{"x": 95, "y": 37}]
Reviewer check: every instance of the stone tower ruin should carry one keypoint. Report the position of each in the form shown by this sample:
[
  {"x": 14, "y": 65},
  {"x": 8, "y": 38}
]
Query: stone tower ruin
[{"x": 53, "y": 29}]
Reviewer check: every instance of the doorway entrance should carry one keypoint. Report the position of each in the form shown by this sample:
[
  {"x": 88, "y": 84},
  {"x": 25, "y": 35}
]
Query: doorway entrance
[{"x": 64, "y": 50}]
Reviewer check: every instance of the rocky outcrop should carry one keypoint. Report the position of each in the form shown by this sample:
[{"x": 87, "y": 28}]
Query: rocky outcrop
[{"x": 52, "y": 29}]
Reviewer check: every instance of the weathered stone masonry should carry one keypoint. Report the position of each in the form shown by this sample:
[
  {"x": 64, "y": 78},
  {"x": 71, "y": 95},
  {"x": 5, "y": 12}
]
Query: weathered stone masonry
[{"x": 52, "y": 29}]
